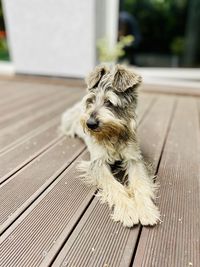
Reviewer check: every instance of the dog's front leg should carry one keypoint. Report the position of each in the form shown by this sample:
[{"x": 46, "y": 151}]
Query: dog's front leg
[
  {"x": 142, "y": 188},
  {"x": 111, "y": 191}
]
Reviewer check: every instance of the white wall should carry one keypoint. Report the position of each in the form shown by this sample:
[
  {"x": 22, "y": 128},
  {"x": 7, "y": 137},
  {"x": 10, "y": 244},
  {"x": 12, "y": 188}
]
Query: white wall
[
  {"x": 55, "y": 37},
  {"x": 52, "y": 37}
]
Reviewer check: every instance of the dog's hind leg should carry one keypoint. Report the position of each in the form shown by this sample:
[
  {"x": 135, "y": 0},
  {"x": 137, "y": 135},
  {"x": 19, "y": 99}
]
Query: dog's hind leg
[
  {"x": 70, "y": 122},
  {"x": 142, "y": 187}
]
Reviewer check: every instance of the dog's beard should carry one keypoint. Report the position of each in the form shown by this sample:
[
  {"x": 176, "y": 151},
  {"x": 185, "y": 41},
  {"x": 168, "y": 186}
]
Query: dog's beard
[{"x": 109, "y": 131}]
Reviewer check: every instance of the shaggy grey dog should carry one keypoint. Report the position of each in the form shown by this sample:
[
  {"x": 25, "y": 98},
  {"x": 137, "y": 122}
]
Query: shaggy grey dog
[{"x": 106, "y": 120}]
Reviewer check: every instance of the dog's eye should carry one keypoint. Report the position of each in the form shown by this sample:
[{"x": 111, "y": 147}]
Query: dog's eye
[{"x": 108, "y": 103}]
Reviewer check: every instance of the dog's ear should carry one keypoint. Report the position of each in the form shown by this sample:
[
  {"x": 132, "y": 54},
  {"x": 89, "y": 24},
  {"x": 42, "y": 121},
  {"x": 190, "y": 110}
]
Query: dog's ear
[
  {"x": 125, "y": 79},
  {"x": 94, "y": 77}
]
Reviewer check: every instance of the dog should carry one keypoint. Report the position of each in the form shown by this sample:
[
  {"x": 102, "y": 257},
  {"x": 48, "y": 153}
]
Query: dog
[{"x": 106, "y": 120}]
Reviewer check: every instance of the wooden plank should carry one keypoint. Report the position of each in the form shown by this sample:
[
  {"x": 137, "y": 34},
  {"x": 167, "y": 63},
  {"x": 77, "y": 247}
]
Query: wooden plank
[
  {"x": 18, "y": 156},
  {"x": 30, "y": 133},
  {"x": 32, "y": 106},
  {"x": 18, "y": 130},
  {"x": 99, "y": 240},
  {"x": 27, "y": 99},
  {"x": 20, "y": 96},
  {"x": 2, "y": 83},
  {"x": 165, "y": 89},
  {"x": 8, "y": 112},
  {"x": 16, "y": 92},
  {"x": 17, "y": 193},
  {"x": 21, "y": 93},
  {"x": 145, "y": 102},
  {"x": 69, "y": 200},
  {"x": 4, "y": 93},
  {"x": 176, "y": 242},
  {"x": 15, "y": 99},
  {"x": 39, "y": 231},
  {"x": 17, "y": 86},
  {"x": 51, "y": 80}
]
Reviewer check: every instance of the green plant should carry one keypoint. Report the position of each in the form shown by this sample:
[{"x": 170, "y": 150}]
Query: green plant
[
  {"x": 3, "y": 44},
  {"x": 178, "y": 46},
  {"x": 106, "y": 53},
  {"x": 4, "y": 54}
]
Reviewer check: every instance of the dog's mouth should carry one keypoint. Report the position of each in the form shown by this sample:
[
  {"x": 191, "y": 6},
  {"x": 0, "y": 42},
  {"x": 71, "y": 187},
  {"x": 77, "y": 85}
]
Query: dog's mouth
[{"x": 96, "y": 130}]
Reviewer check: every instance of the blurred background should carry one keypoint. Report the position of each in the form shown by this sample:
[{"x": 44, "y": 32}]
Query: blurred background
[
  {"x": 67, "y": 38},
  {"x": 169, "y": 32}
]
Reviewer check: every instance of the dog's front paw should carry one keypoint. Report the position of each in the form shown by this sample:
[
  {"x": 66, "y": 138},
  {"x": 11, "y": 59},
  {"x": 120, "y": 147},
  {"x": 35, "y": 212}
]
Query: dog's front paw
[
  {"x": 126, "y": 213},
  {"x": 149, "y": 214}
]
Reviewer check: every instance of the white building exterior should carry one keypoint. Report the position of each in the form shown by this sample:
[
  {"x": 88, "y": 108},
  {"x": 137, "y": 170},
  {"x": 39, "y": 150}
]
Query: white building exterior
[{"x": 58, "y": 37}]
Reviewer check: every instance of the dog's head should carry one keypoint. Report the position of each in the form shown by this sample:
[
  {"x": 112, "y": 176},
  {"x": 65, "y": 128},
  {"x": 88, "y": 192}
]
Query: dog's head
[{"x": 110, "y": 103}]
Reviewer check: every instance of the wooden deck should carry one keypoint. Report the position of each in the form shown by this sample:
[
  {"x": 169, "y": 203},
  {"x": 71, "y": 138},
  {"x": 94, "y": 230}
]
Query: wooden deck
[{"x": 50, "y": 218}]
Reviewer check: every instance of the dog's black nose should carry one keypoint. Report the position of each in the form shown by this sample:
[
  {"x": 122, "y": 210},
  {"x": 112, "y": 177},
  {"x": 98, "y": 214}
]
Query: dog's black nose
[{"x": 92, "y": 123}]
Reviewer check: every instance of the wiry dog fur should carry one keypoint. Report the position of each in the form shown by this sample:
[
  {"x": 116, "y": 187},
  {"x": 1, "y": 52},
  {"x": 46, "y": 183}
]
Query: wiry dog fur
[{"x": 116, "y": 166}]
